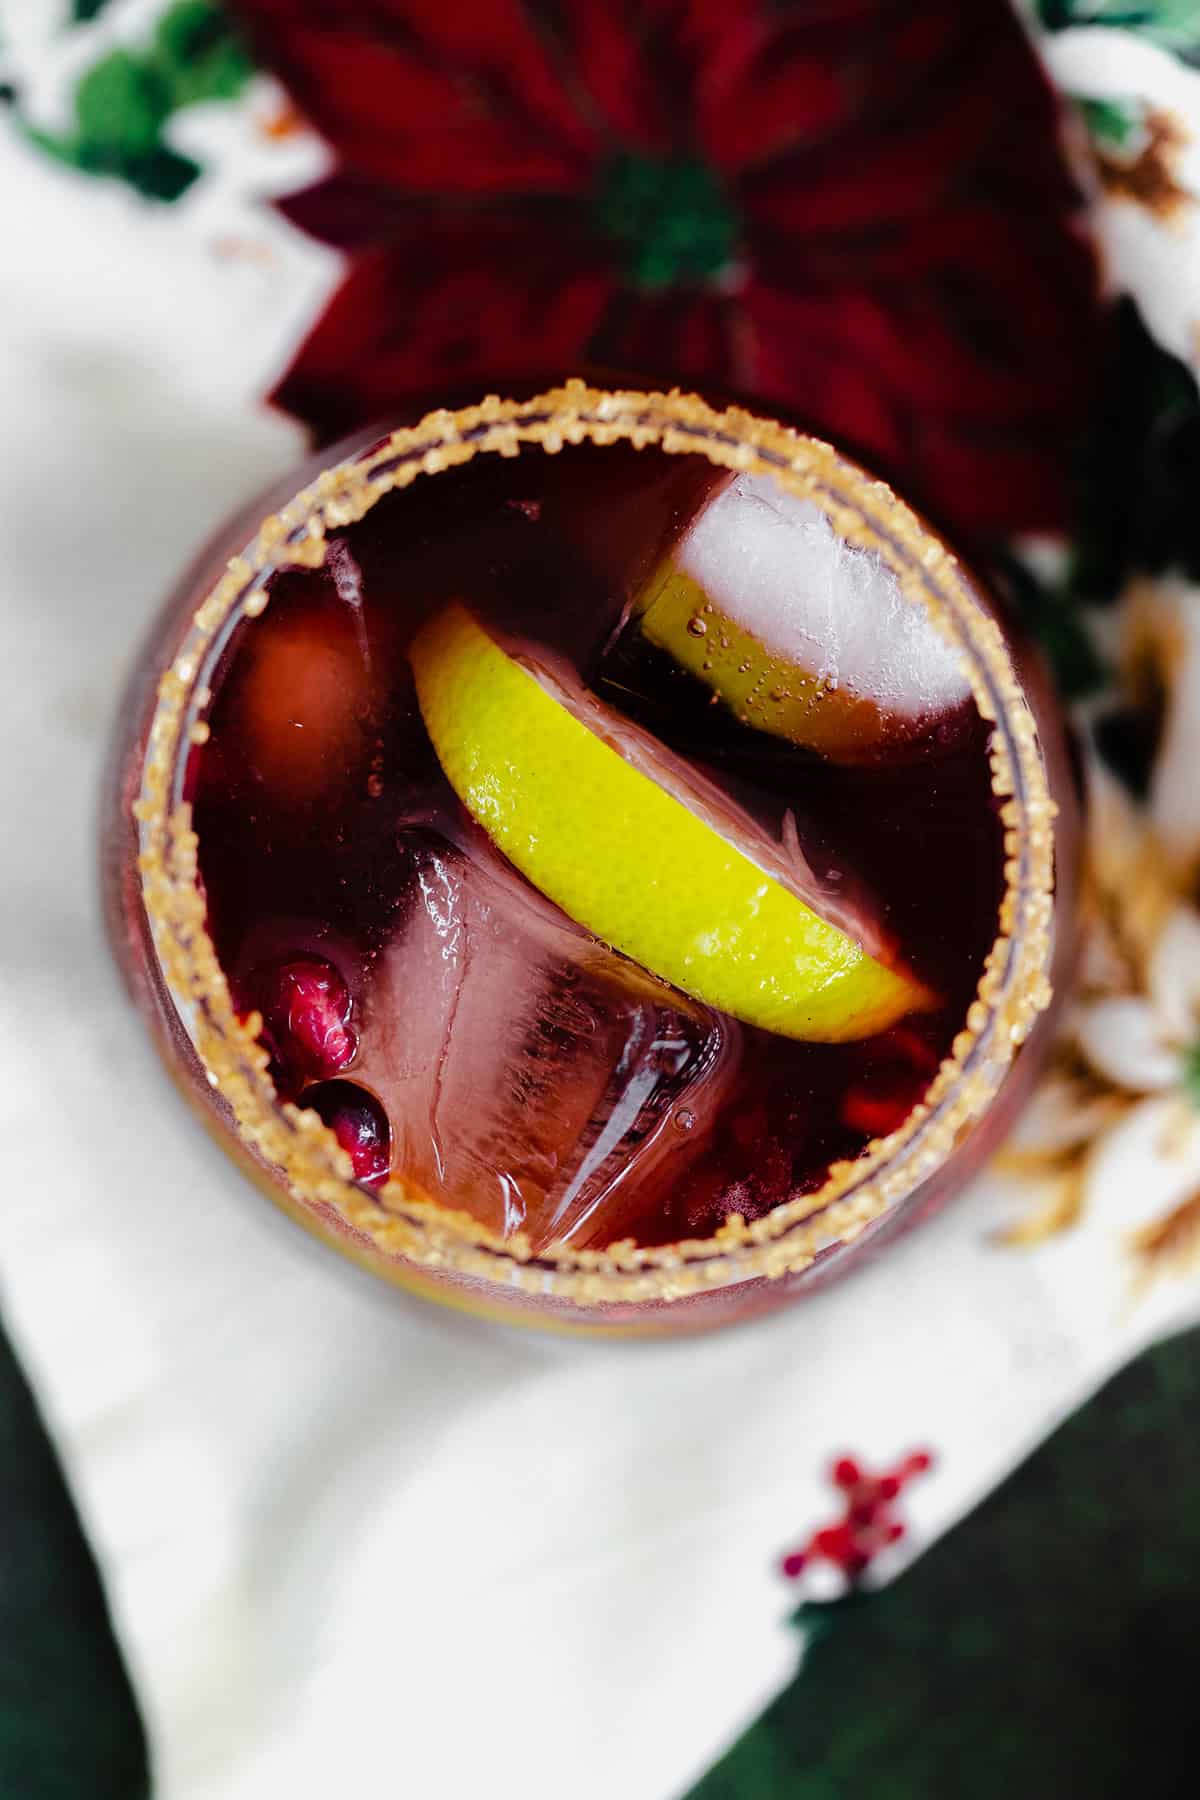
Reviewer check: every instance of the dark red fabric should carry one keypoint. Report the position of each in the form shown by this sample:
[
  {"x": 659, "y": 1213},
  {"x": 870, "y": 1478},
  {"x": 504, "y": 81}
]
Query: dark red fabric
[{"x": 908, "y": 279}]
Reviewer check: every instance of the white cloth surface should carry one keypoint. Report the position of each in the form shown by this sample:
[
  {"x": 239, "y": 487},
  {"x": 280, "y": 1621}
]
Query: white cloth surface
[{"x": 354, "y": 1544}]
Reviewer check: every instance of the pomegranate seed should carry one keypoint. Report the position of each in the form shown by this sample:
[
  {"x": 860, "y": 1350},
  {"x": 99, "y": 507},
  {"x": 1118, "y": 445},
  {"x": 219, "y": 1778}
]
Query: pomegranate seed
[
  {"x": 889, "y": 1487},
  {"x": 846, "y": 1472},
  {"x": 894, "y": 1532},
  {"x": 794, "y": 1564},
  {"x": 916, "y": 1464},
  {"x": 359, "y": 1124},
  {"x": 305, "y": 1006}
]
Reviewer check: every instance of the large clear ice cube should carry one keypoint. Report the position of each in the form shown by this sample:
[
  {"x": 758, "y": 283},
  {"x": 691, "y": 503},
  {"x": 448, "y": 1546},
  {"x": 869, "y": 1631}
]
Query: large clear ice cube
[
  {"x": 801, "y": 635},
  {"x": 532, "y": 1077}
]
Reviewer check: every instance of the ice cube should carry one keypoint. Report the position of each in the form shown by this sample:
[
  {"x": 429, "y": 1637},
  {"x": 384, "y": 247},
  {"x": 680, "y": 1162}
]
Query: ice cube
[
  {"x": 774, "y": 564},
  {"x": 532, "y": 1077},
  {"x": 800, "y": 634}
]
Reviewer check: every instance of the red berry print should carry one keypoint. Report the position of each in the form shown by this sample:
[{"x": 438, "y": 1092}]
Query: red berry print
[{"x": 868, "y": 1523}]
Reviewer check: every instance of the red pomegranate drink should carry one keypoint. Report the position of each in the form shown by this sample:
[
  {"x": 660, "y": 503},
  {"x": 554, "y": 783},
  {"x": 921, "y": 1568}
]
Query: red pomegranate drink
[{"x": 580, "y": 871}]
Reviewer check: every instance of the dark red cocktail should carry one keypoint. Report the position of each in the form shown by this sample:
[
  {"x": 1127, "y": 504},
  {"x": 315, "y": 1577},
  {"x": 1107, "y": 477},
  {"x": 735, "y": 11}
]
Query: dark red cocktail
[{"x": 598, "y": 857}]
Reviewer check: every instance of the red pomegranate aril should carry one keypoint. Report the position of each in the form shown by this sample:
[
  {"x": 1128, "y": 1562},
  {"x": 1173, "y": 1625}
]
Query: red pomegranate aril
[
  {"x": 846, "y": 1472},
  {"x": 305, "y": 1006},
  {"x": 359, "y": 1124}
]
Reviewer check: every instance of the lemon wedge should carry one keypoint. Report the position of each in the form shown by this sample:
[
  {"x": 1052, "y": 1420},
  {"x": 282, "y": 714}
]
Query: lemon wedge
[{"x": 626, "y": 858}]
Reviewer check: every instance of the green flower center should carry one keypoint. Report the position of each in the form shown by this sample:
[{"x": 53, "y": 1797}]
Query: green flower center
[{"x": 671, "y": 220}]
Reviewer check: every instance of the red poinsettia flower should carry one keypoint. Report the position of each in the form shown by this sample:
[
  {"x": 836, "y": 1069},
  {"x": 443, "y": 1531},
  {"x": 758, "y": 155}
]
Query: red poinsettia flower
[{"x": 854, "y": 210}]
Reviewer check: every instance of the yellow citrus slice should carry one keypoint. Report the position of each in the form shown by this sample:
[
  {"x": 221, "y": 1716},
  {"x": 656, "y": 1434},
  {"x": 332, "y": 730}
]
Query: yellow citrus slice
[{"x": 629, "y": 860}]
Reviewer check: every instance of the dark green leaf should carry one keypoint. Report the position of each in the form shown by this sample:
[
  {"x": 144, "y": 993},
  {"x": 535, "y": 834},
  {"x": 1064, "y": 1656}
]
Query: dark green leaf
[
  {"x": 815, "y": 1618},
  {"x": 120, "y": 106},
  {"x": 161, "y": 174},
  {"x": 1173, "y": 24},
  {"x": 82, "y": 11},
  {"x": 69, "y": 1726},
  {"x": 199, "y": 55},
  {"x": 1054, "y": 15},
  {"x": 1128, "y": 738},
  {"x": 1053, "y": 616},
  {"x": 1112, "y": 121},
  {"x": 62, "y": 149},
  {"x": 1140, "y": 472},
  {"x": 158, "y": 173}
]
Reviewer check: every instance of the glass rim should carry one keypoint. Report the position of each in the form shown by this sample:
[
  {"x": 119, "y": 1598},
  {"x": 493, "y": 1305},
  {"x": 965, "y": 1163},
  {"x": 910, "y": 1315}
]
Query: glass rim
[{"x": 399, "y": 1224}]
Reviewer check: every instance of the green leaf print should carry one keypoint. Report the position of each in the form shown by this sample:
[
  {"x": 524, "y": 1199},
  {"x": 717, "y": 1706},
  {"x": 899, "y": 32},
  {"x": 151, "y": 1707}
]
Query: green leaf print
[
  {"x": 1172, "y": 24},
  {"x": 124, "y": 102},
  {"x": 1112, "y": 121}
]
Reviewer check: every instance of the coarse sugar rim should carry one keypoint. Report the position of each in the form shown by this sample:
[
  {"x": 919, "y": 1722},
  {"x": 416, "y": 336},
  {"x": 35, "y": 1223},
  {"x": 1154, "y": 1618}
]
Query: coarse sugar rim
[{"x": 402, "y": 1225}]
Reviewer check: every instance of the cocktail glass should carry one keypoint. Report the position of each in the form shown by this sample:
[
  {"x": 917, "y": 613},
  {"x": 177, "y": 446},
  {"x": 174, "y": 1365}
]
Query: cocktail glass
[{"x": 743, "y": 1265}]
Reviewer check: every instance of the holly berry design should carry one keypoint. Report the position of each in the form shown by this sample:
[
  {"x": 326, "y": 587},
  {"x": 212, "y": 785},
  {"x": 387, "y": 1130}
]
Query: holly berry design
[{"x": 869, "y": 1523}]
